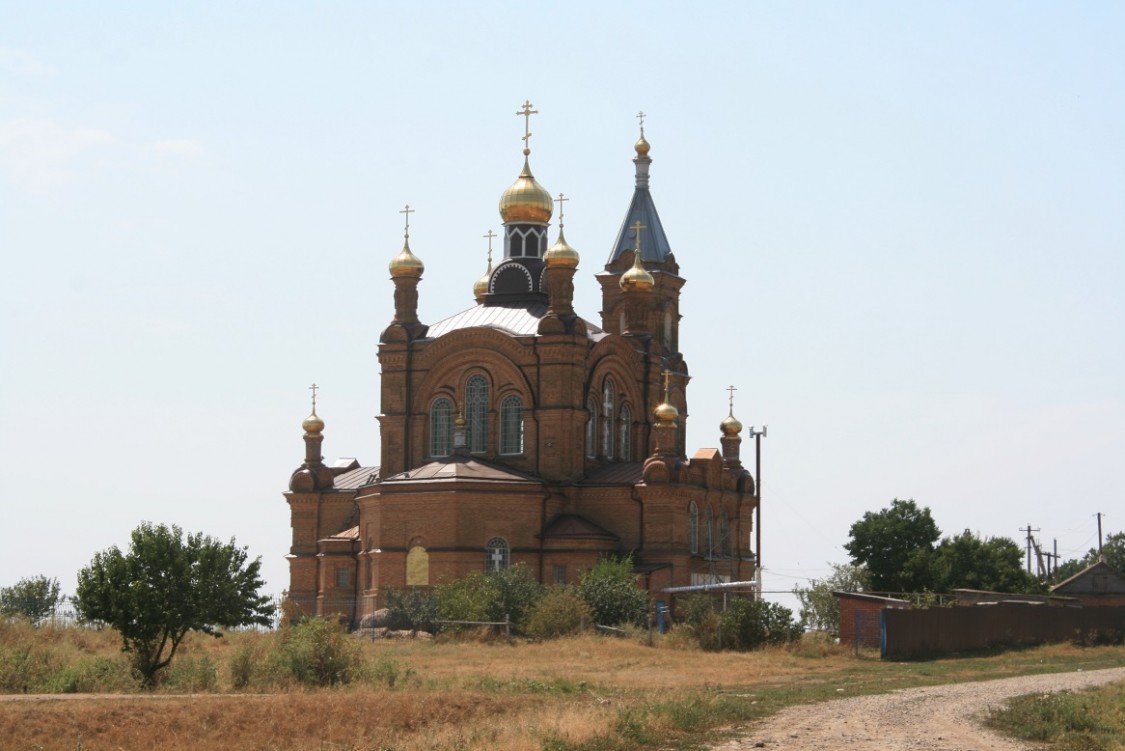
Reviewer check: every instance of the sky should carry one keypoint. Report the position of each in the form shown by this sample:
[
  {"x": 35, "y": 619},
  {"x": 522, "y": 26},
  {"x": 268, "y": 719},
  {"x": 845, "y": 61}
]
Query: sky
[{"x": 902, "y": 227}]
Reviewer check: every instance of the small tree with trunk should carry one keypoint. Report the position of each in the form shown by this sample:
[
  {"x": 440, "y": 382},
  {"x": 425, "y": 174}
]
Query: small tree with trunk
[{"x": 167, "y": 585}]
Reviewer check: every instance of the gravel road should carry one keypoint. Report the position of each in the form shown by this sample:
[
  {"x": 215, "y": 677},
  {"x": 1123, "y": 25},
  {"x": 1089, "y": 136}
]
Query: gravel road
[{"x": 914, "y": 719}]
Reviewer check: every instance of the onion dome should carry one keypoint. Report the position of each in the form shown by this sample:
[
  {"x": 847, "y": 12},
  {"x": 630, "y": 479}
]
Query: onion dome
[
  {"x": 561, "y": 255},
  {"x": 642, "y": 146},
  {"x": 406, "y": 263},
  {"x": 313, "y": 424},
  {"x": 666, "y": 414},
  {"x": 637, "y": 279},
  {"x": 731, "y": 426},
  {"x": 480, "y": 286},
  {"x": 526, "y": 201}
]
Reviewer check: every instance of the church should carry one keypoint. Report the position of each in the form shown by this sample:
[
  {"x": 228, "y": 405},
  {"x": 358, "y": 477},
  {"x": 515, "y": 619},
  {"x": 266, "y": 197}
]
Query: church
[{"x": 517, "y": 432}]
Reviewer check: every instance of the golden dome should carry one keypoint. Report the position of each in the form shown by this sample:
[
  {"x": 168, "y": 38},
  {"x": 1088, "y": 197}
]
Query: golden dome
[
  {"x": 313, "y": 424},
  {"x": 666, "y": 413},
  {"x": 731, "y": 426},
  {"x": 406, "y": 263},
  {"x": 526, "y": 201},
  {"x": 642, "y": 146},
  {"x": 637, "y": 279},
  {"x": 480, "y": 287},
  {"x": 561, "y": 255}
]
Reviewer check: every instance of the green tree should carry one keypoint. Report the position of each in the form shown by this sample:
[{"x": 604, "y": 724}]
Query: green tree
[
  {"x": 167, "y": 585},
  {"x": 896, "y": 545},
  {"x": 994, "y": 564},
  {"x": 610, "y": 589},
  {"x": 820, "y": 609},
  {"x": 748, "y": 624},
  {"x": 1113, "y": 550},
  {"x": 33, "y": 599}
]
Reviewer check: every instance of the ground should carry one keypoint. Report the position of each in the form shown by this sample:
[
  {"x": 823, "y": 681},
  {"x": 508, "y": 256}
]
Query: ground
[{"x": 933, "y": 717}]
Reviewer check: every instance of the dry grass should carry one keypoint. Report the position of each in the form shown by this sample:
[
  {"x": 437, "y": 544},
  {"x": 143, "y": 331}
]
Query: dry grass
[{"x": 580, "y": 694}]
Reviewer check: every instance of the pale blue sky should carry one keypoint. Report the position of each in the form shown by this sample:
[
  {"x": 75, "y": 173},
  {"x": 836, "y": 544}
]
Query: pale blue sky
[{"x": 901, "y": 224}]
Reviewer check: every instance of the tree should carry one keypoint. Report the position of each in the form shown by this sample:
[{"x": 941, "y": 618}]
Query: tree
[
  {"x": 896, "y": 545},
  {"x": 492, "y": 596},
  {"x": 1113, "y": 550},
  {"x": 33, "y": 599},
  {"x": 820, "y": 609},
  {"x": 610, "y": 589},
  {"x": 167, "y": 585},
  {"x": 748, "y": 624},
  {"x": 994, "y": 564}
]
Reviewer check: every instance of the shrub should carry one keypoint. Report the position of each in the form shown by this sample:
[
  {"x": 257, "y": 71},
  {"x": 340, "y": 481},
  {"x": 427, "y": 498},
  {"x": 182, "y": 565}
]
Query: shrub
[
  {"x": 318, "y": 652},
  {"x": 494, "y": 596},
  {"x": 748, "y": 624},
  {"x": 700, "y": 620},
  {"x": 191, "y": 673},
  {"x": 413, "y": 610},
  {"x": 560, "y": 612},
  {"x": 610, "y": 589}
]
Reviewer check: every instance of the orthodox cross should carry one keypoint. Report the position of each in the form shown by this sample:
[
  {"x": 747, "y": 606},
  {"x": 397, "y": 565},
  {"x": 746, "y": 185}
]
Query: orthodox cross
[
  {"x": 313, "y": 388},
  {"x": 637, "y": 227},
  {"x": 641, "y": 117},
  {"x": 490, "y": 235},
  {"x": 731, "y": 389},
  {"x": 526, "y": 113},
  {"x": 560, "y": 200},
  {"x": 667, "y": 375},
  {"x": 408, "y": 211}
]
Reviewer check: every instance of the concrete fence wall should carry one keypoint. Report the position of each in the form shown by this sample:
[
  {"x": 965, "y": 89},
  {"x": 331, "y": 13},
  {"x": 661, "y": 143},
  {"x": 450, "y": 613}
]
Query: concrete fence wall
[{"x": 914, "y": 633}]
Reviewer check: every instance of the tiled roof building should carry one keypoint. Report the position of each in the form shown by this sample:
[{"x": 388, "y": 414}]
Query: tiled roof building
[{"x": 517, "y": 432}]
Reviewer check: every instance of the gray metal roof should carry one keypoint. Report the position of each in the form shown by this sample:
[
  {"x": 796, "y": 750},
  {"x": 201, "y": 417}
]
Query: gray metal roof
[
  {"x": 455, "y": 468},
  {"x": 356, "y": 478},
  {"x": 654, "y": 243},
  {"x": 517, "y": 320}
]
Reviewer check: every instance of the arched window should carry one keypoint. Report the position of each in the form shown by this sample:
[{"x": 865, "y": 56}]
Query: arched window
[
  {"x": 724, "y": 534},
  {"x": 625, "y": 435},
  {"x": 496, "y": 558},
  {"x": 710, "y": 532},
  {"x": 441, "y": 427},
  {"x": 693, "y": 528},
  {"x": 608, "y": 393},
  {"x": 511, "y": 425},
  {"x": 592, "y": 429},
  {"x": 476, "y": 405},
  {"x": 417, "y": 567}
]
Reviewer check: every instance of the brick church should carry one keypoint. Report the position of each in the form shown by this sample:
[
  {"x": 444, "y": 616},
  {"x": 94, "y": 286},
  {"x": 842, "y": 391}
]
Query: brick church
[{"x": 517, "y": 432}]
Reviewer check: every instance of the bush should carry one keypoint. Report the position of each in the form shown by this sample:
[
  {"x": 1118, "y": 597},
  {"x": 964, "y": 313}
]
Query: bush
[
  {"x": 413, "y": 610},
  {"x": 748, "y": 624},
  {"x": 191, "y": 673},
  {"x": 560, "y": 612},
  {"x": 700, "y": 620},
  {"x": 610, "y": 589},
  {"x": 494, "y": 596},
  {"x": 318, "y": 652}
]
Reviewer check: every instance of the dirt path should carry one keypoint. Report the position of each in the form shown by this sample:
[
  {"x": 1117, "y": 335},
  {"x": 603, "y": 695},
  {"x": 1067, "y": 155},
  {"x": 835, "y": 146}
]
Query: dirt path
[{"x": 914, "y": 719}]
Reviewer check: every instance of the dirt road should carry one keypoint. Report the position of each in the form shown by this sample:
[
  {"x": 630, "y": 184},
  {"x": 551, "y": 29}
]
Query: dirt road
[{"x": 915, "y": 719}]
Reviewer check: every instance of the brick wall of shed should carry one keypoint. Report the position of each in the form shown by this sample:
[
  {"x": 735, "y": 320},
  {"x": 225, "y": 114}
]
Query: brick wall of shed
[{"x": 869, "y": 621}]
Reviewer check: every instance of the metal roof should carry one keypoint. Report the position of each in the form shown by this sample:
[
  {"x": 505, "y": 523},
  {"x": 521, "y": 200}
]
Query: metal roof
[
  {"x": 617, "y": 473},
  {"x": 355, "y": 478},
  {"x": 460, "y": 468},
  {"x": 520, "y": 319},
  {"x": 654, "y": 243},
  {"x": 575, "y": 526}
]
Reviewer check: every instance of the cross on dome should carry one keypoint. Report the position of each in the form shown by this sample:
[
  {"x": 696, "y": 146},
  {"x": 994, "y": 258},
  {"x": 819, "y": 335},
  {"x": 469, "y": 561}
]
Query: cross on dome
[
  {"x": 526, "y": 112},
  {"x": 408, "y": 211}
]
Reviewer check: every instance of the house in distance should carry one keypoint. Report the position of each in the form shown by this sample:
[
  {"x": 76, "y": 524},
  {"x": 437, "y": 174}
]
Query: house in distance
[{"x": 517, "y": 432}]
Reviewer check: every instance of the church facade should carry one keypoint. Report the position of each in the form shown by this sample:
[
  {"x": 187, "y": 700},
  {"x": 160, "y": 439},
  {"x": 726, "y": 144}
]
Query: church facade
[{"x": 518, "y": 433}]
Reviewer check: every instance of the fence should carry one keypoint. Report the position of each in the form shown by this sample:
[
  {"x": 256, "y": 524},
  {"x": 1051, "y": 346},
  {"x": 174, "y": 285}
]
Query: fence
[{"x": 914, "y": 633}]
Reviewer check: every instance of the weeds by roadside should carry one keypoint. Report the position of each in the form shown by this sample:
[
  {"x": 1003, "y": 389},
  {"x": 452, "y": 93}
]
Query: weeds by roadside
[{"x": 1092, "y": 720}]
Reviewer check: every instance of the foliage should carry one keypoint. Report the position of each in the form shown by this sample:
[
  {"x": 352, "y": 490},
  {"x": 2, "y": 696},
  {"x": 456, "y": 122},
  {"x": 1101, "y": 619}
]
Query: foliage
[
  {"x": 820, "y": 609},
  {"x": 698, "y": 615},
  {"x": 33, "y": 599},
  {"x": 167, "y": 585},
  {"x": 412, "y": 610},
  {"x": 610, "y": 589},
  {"x": 560, "y": 612},
  {"x": 318, "y": 652},
  {"x": 895, "y": 545},
  {"x": 748, "y": 624},
  {"x": 994, "y": 564},
  {"x": 1113, "y": 550},
  {"x": 494, "y": 596}
]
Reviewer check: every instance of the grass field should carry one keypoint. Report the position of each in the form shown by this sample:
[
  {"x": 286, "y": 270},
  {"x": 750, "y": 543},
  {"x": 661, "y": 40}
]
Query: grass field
[{"x": 582, "y": 694}]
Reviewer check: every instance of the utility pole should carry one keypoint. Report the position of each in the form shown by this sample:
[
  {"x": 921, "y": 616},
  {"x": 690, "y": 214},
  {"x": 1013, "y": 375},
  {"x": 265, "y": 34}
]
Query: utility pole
[
  {"x": 1029, "y": 530},
  {"x": 1099, "y": 515},
  {"x": 758, "y": 436}
]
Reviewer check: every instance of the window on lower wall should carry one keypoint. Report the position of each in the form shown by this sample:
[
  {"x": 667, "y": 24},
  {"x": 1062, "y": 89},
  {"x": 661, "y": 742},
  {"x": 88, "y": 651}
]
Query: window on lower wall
[
  {"x": 497, "y": 553},
  {"x": 343, "y": 576},
  {"x": 511, "y": 425},
  {"x": 560, "y": 574}
]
